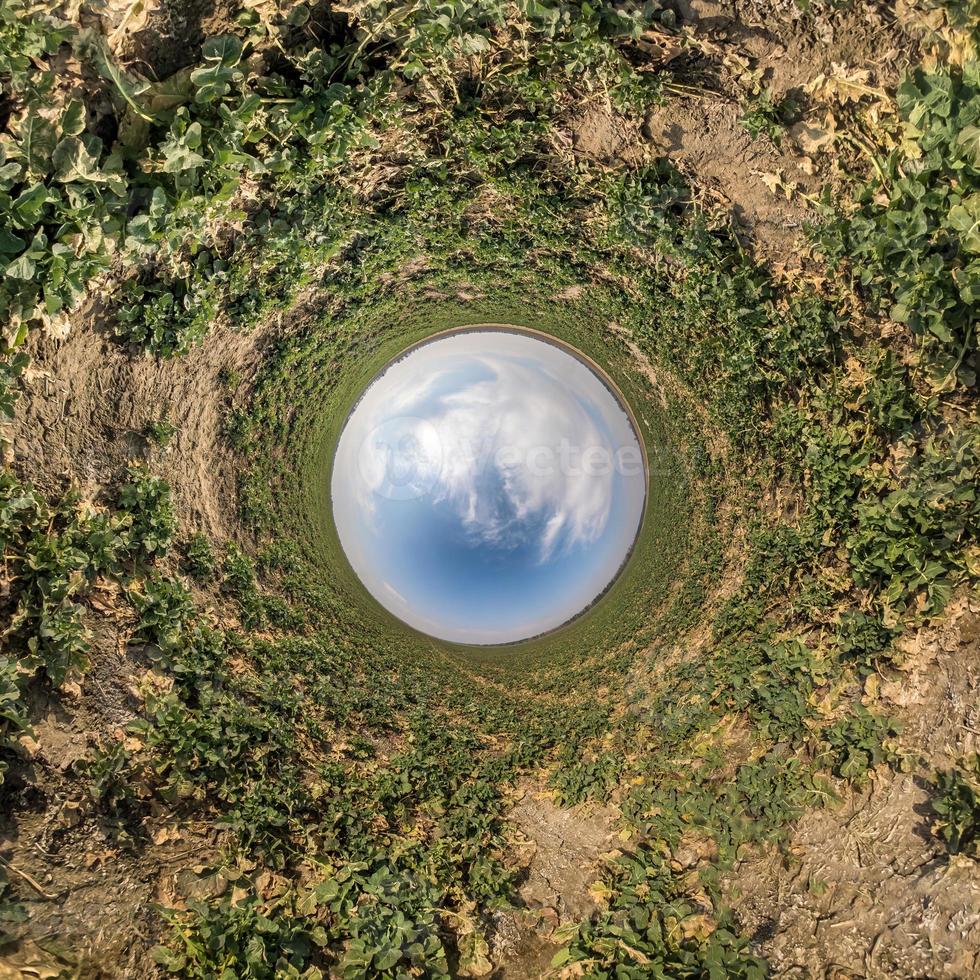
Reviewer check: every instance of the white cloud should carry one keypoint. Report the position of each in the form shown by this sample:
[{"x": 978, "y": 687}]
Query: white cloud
[
  {"x": 491, "y": 449},
  {"x": 496, "y": 433}
]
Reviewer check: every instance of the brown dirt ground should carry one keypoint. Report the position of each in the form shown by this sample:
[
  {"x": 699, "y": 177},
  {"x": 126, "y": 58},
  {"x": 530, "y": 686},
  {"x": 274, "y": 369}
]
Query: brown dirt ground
[
  {"x": 86, "y": 403},
  {"x": 863, "y": 888},
  {"x": 698, "y": 128},
  {"x": 704, "y": 138},
  {"x": 560, "y": 852}
]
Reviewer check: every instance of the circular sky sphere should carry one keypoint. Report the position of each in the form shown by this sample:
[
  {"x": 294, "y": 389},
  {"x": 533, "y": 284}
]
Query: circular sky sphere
[{"x": 488, "y": 486}]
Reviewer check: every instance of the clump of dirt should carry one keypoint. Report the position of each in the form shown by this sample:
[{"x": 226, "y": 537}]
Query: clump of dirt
[
  {"x": 599, "y": 133},
  {"x": 864, "y": 888},
  {"x": 561, "y": 851},
  {"x": 704, "y": 139}
]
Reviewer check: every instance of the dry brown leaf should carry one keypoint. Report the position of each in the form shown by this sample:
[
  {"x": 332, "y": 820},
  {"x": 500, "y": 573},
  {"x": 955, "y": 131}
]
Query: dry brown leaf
[
  {"x": 812, "y": 138},
  {"x": 600, "y": 892},
  {"x": 166, "y": 833},
  {"x": 27, "y": 961},
  {"x": 123, "y": 18},
  {"x": 662, "y": 48},
  {"x": 872, "y": 688},
  {"x": 698, "y": 927},
  {"x": 842, "y": 85},
  {"x": 772, "y": 181},
  {"x": 777, "y": 183}
]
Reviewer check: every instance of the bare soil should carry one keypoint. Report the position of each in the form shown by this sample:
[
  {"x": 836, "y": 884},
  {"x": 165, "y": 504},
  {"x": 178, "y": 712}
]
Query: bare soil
[
  {"x": 86, "y": 404},
  {"x": 768, "y": 187},
  {"x": 864, "y": 888},
  {"x": 560, "y": 851},
  {"x": 704, "y": 138}
]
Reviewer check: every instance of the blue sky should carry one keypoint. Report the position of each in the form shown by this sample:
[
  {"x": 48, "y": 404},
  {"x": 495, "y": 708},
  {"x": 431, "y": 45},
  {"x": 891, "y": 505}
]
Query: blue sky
[{"x": 487, "y": 487}]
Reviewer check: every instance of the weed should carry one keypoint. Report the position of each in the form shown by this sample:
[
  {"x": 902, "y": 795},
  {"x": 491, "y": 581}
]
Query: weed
[
  {"x": 163, "y": 607},
  {"x": 859, "y": 742},
  {"x": 12, "y": 912},
  {"x": 160, "y": 432},
  {"x": 957, "y": 806},
  {"x": 199, "y": 557},
  {"x": 238, "y": 580},
  {"x": 13, "y": 713},
  {"x": 765, "y": 116},
  {"x": 146, "y": 500},
  {"x": 108, "y": 773},
  {"x": 913, "y": 244}
]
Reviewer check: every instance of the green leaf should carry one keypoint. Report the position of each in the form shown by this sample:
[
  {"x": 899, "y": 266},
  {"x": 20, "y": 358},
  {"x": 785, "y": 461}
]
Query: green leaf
[
  {"x": 170, "y": 93},
  {"x": 10, "y": 244},
  {"x": 37, "y": 138},
  {"x": 298, "y": 16},
  {"x": 73, "y": 119},
  {"x": 386, "y": 959},
  {"x": 21, "y": 268},
  {"x": 561, "y": 958},
  {"x": 968, "y": 143},
  {"x": 965, "y": 219},
  {"x": 11, "y": 171},
  {"x": 93, "y": 48},
  {"x": 180, "y": 153},
  {"x": 212, "y": 83},
  {"x": 226, "y": 49},
  {"x": 214, "y": 80},
  {"x": 74, "y": 161},
  {"x": 29, "y": 205}
]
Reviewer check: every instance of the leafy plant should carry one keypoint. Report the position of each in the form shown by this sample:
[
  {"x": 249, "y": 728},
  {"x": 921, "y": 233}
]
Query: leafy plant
[
  {"x": 248, "y": 942},
  {"x": 61, "y": 189},
  {"x": 163, "y": 322},
  {"x": 55, "y": 555},
  {"x": 146, "y": 500},
  {"x": 957, "y": 806},
  {"x": 858, "y": 742},
  {"x": 238, "y": 580},
  {"x": 109, "y": 774},
  {"x": 163, "y": 607},
  {"x": 199, "y": 558},
  {"x": 160, "y": 432},
  {"x": 913, "y": 243},
  {"x": 765, "y": 116},
  {"x": 12, "y": 912},
  {"x": 863, "y": 639},
  {"x": 651, "y": 928},
  {"x": 13, "y": 715},
  {"x": 906, "y": 541},
  {"x": 13, "y": 362}
]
